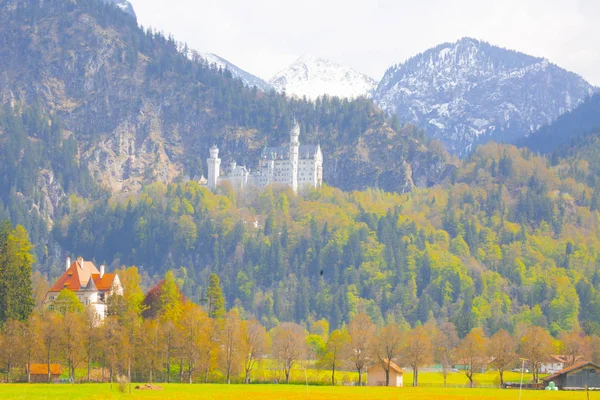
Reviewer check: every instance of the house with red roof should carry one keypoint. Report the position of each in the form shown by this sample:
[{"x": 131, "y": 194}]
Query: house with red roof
[{"x": 93, "y": 287}]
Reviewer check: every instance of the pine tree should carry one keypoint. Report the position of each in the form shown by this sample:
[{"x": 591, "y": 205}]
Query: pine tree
[{"x": 214, "y": 294}]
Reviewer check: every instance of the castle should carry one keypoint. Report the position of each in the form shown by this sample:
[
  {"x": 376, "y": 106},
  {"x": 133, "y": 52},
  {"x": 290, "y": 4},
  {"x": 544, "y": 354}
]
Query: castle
[{"x": 295, "y": 165}]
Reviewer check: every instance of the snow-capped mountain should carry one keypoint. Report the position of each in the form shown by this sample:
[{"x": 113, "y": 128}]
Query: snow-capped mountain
[
  {"x": 313, "y": 77},
  {"x": 247, "y": 78},
  {"x": 470, "y": 92},
  {"x": 123, "y": 5}
]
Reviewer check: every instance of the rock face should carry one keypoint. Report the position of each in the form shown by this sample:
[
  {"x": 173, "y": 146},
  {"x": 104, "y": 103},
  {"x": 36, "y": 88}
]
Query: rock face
[
  {"x": 313, "y": 77},
  {"x": 214, "y": 61},
  {"x": 143, "y": 111},
  {"x": 470, "y": 92}
]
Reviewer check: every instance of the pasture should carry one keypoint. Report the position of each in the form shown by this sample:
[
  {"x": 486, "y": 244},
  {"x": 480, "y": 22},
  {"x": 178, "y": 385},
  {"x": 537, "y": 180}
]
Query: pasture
[{"x": 256, "y": 392}]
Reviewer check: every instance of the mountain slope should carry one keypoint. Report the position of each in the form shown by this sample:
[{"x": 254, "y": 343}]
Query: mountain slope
[
  {"x": 313, "y": 77},
  {"x": 582, "y": 120},
  {"x": 247, "y": 78},
  {"x": 470, "y": 92},
  {"x": 123, "y": 5}
]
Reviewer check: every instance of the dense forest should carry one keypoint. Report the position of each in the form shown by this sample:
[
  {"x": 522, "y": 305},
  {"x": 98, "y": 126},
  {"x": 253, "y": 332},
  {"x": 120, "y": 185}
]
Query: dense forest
[{"x": 510, "y": 239}]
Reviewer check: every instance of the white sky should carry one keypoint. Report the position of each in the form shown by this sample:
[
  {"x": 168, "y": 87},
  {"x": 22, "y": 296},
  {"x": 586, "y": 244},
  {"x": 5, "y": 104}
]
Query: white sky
[{"x": 264, "y": 36}]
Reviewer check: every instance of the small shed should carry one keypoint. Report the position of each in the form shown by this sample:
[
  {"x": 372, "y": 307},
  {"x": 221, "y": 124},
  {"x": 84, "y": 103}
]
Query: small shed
[
  {"x": 376, "y": 375},
  {"x": 580, "y": 376},
  {"x": 39, "y": 372}
]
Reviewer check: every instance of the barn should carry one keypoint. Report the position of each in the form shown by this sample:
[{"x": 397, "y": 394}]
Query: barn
[
  {"x": 376, "y": 375},
  {"x": 580, "y": 376},
  {"x": 39, "y": 372}
]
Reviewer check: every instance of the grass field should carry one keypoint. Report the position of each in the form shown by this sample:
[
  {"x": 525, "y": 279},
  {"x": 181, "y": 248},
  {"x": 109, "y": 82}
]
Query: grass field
[{"x": 255, "y": 392}]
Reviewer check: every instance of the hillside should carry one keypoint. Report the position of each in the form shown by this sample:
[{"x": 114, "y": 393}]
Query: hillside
[
  {"x": 583, "y": 120},
  {"x": 470, "y": 92}
]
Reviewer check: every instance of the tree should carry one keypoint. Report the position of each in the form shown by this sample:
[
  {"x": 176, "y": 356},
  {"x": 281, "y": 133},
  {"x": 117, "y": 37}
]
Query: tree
[
  {"x": 361, "y": 332},
  {"x": 232, "y": 343},
  {"x": 32, "y": 340},
  {"x": 67, "y": 302},
  {"x": 501, "y": 349},
  {"x": 214, "y": 296},
  {"x": 418, "y": 351},
  {"x": 387, "y": 345},
  {"x": 289, "y": 345},
  {"x": 445, "y": 343},
  {"x": 536, "y": 346},
  {"x": 191, "y": 330},
  {"x": 50, "y": 333},
  {"x": 71, "y": 341},
  {"x": 16, "y": 260},
  {"x": 471, "y": 353},
  {"x": 575, "y": 346},
  {"x": 90, "y": 336},
  {"x": 333, "y": 356},
  {"x": 254, "y": 345},
  {"x": 11, "y": 345},
  {"x": 171, "y": 299}
]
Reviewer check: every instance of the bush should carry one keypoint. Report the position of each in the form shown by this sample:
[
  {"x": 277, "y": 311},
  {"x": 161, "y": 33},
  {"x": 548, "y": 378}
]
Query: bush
[{"x": 123, "y": 382}]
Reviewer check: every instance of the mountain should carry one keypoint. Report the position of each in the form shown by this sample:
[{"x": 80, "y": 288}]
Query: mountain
[
  {"x": 313, "y": 77},
  {"x": 247, "y": 78},
  {"x": 124, "y": 5},
  {"x": 582, "y": 120},
  {"x": 92, "y": 105},
  {"x": 470, "y": 92}
]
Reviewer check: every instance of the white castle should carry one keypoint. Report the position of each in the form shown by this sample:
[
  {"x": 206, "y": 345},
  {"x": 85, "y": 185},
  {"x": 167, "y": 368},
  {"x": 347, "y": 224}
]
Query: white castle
[{"x": 294, "y": 165}]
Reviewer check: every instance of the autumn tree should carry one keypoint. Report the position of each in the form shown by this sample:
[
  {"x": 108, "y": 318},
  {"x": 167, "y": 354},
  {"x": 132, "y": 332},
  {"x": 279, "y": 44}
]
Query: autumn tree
[
  {"x": 418, "y": 351},
  {"x": 50, "y": 334},
  {"x": 333, "y": 356},
  {"x": 386, "y": 347},
  {"x": 90, "y": 336},
  {"x": 11, "y": 345},
  {"x": 191, "y": 330},
  {"x": 67, "y": 302},
  {"x": 445, "y": 341},
  {"x": 289, "y": 345},
  {"x": 361, "y": 332},
  {"x": 575, "y": 346},
  {"x": 150, "y": 343},
  {"x": 501, "y": 350},
  {"x": 231, "y": 335},
  {"x": 253, "y": 346},
  {"x": 71, "y": 341},
  {"x": 32, "y": 340},
  {"x": 471, "y": 353},
  {"x": 536, "y": 347}
]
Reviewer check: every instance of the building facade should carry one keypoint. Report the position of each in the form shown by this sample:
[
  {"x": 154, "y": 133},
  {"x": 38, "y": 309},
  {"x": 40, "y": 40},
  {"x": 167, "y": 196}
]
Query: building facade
[
  {"x": 295, "y": 165},
  {"x": 93, "y": 287}
]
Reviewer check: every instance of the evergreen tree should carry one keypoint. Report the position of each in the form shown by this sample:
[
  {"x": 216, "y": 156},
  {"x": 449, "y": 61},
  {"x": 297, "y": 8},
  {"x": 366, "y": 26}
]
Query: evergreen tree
[{"x": 214, "y": 295}]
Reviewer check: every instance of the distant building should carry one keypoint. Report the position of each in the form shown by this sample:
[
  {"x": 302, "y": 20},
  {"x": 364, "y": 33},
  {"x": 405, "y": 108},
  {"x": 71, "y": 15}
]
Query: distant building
[
  {"x": 295, "y": 165},
  {"x": 92, "y": 286},
  {"x": 580, "y": 376},
  {"x": 376, "y": 375},
  {"x": 553, "y": 364},
  {"x": 39, "y": 372}
]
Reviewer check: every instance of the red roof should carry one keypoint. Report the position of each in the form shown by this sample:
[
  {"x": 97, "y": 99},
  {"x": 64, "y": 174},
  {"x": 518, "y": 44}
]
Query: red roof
[
  {"x": 79, "y": 274},
  {"x": 569, "y": 369},
  {"x": 42, "y": 369}
]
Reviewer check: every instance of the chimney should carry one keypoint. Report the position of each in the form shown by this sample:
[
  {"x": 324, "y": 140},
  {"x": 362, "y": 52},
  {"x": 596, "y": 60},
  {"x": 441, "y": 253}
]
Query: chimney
[
  {"x": 68, "y": 263},
  {"x": 80, "y": 262},
  {"x": 101, "y": 271}
]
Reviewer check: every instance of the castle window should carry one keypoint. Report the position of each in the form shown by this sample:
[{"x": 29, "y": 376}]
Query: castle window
[{"x": 51, "y": 307}]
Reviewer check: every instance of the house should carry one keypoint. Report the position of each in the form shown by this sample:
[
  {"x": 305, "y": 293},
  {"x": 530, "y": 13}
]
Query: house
[
  {"x": 92, "y": 286},
  {"x": 580, "y": 376},
  {"x": 376, "y": 375},
  {"x": 39, "y": 372},
  {"x": 553, "y": 364}
]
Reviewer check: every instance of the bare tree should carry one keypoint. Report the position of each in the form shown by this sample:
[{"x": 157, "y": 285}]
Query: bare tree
[
  {"x": 11, "y": 345},
  {"x": 418, "y": 351},
  {"x": 501, "y": 349},
  {"x": 191, "y": 333},
  {"x": 232, "y": 343},
  {"x": 50, "y": 336},
  {"x": 289, "y": 345},
  {"x": 71, "y": 341},
  {"x": 361, "y": 332},
  {"x": 254, "y": 345},
  {"x": 386, "y": 347}
]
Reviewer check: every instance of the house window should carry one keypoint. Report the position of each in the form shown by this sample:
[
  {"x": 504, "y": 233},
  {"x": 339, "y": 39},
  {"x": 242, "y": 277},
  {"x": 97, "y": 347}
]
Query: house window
[
  {"x": 51, "y": 307},
  {"x": 51, "y": 297}
]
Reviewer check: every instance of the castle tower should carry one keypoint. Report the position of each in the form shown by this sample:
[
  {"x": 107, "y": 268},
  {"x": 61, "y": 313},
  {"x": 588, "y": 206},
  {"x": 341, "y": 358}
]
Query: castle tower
[
  {"x": 214, "y": 167},
  {"x": 294, "y": 149}
]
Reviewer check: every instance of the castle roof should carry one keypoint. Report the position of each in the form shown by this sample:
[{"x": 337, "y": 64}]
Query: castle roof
[{"x": 83, "y": 275}]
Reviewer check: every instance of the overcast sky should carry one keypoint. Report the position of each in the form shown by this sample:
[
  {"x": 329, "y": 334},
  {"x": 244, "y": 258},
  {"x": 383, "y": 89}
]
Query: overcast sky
[{"x": 264, "y": 36}]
